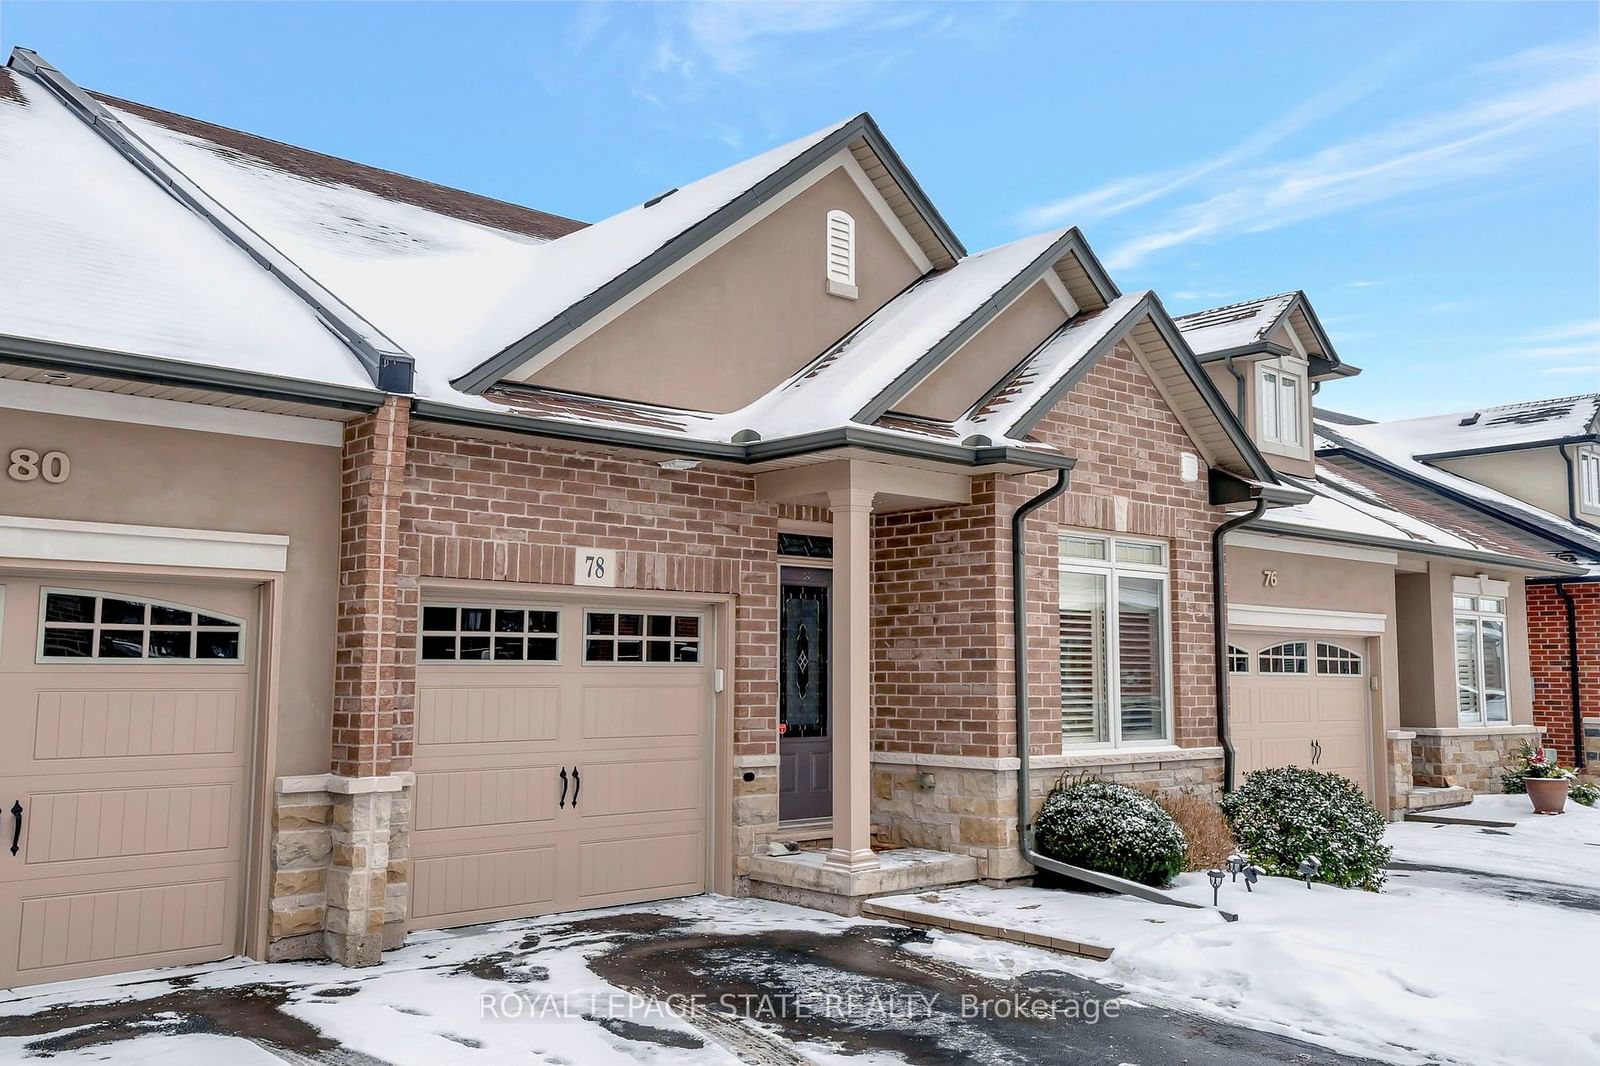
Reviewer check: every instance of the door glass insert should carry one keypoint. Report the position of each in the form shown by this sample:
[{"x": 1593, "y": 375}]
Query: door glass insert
[{"x": 803, "y": 696}]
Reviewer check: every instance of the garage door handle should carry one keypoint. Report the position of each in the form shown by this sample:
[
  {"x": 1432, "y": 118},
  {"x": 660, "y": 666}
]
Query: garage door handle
[
  {"x": 577, "y": 786},
  {"x": 16, "y": 830},
  {"x": 563, "y": 802}
]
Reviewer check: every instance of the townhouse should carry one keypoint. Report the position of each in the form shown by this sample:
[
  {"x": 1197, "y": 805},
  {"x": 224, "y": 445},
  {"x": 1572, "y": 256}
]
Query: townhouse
[{"x": 378, "y": 557}]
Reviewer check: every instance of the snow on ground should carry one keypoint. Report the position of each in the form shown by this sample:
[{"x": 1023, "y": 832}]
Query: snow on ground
[{"x": 1564, "y": 849}]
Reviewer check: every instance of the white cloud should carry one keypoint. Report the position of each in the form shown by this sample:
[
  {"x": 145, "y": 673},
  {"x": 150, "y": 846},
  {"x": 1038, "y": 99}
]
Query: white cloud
[{"x": 1589, "y": 328}]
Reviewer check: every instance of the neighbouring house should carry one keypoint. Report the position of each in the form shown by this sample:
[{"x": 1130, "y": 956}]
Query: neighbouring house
[
  {"x": 380, "y": 557},
  {"x": 1534, "y": 466},
  {"x": 1380, "y": 630}
]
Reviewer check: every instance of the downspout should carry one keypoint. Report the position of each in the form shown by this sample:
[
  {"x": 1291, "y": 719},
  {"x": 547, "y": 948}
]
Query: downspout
[
  {"x": 1219, "y": 600},
  {"x": 1239, "y": 389},
  {"x": 1019, "y": 651},
  {"x": 1578, "y": 757}
]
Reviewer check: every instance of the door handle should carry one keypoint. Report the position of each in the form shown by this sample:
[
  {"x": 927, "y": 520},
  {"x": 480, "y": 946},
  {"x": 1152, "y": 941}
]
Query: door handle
[
  {"x": 577, "y": 786},
  {"x": 563, "y": 802},
  {"x": 16, "y": 830}
]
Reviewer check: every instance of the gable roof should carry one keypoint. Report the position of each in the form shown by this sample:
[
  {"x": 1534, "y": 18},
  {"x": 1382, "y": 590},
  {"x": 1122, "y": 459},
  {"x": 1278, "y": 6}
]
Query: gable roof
[
  {"x": 1358, "y": 502},
  {"x": 1243, "y": 328},
  {"x": 1386, "y": 452}
]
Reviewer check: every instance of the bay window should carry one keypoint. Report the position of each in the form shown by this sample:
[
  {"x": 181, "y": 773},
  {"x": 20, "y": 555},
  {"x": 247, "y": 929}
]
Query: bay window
[
  {"x": 1481, "y": 668},
  {"x": 1114, "y": 654}
]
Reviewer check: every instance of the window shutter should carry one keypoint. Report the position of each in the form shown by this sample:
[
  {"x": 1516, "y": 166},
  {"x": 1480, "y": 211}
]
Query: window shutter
[
  {"x": 1082, "y": 673},
  {"x": 841, "y": 248}
]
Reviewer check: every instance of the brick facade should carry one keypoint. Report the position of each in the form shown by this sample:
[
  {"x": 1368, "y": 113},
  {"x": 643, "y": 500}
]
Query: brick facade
[{"x": 1549, "y": 659}]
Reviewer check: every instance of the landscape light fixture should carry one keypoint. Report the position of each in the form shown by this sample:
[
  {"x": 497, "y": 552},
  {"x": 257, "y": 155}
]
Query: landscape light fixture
[
  {"x": 1308, "y": 869},
  {"x": 1235, "y": 864},
  {"x": 1216, "y": 877},
  {"x": 1251, "y": 875}
]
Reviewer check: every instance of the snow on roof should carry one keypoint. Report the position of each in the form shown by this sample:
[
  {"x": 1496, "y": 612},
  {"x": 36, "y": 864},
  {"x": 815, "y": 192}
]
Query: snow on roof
[
  {"x": 450, "y": 291},
  {"x": 1486, "y": 429},
  {"x": 1359, "y": 442},
  {"x": 1058, "y": 356},
  {"x": 1235, "y": 325},
  {"x": 1350, "y": 497},
  {"x": 98, "y": 256}
]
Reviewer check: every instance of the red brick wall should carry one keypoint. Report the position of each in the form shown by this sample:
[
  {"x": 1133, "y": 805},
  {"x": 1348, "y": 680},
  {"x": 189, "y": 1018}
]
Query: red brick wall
[
  {"x": 941, "y": 600},
  {"x": 481, "y": 510},
  {"x": 1550, "y": 663}
]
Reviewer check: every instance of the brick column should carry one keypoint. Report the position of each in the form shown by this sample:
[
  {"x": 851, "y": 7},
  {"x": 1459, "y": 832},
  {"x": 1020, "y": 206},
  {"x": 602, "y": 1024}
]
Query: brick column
[
  {"x": 368, "y": 685},
  {"x": 852, "y": 680}
]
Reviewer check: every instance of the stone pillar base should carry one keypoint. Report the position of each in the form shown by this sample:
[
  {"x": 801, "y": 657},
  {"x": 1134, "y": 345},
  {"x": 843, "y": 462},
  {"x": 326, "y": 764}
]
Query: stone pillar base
[{"x": 1467, "y": 757}]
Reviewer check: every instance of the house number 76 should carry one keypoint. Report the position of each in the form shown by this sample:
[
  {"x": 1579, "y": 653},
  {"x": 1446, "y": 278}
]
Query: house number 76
[
  {"x": 1269, "y": 578},
  {"x": 28, "y": 465}
]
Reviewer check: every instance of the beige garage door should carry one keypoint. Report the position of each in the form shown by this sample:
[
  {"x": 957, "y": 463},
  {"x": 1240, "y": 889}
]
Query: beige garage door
[
  {"x": 1300, "y": 701},
  {"x": 561, "y": 758},
  {"x": 123, "y": 774}
]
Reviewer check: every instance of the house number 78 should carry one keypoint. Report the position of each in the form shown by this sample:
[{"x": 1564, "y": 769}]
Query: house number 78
[
  {"x": 1269, "y": 578},
  {"x": 25, "y": 464}
]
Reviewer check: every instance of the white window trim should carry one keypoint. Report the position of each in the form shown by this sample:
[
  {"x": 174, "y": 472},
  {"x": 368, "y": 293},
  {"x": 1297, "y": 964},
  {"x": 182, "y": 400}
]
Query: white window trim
[
  {"x": 1359, "y": 657},
  {"x": 601, "y": 664},
  {"x": 560, "y": 634},
  {"x": 94, "y": 626},
  {"x": 1112, "y": 569},
  {"x": 59, "y": 540},
  {"x": 1478, "y": 617},
  {"x": 1298, "y": 371},
  {"x": 1587, "y": 471}
]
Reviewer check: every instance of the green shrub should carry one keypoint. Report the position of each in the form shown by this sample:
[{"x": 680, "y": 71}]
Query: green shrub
[
  {"x": 1286, "y": 815},
  {"x": 1584, "y": 792},
  {"x": 1111, "y": 829}
]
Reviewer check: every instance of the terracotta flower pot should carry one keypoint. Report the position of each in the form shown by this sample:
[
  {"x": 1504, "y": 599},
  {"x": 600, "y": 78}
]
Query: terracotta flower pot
[{"x": 1549, "y": 794}]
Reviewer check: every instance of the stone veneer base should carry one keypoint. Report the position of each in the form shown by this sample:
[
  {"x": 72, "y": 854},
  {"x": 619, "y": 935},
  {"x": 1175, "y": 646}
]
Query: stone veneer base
[{"x": 1471, "y": 758}]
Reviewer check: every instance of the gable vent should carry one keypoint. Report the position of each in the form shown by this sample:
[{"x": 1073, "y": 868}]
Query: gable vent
[{"x": 841, "y": 254}]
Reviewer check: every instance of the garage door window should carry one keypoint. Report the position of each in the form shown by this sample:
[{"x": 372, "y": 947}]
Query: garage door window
[
  {"x": 77, "y": 625},
  {"x": 640, "y": 637},
  {"x": 1334, "y": 661},
  {"x": 1481, "y": 691},
  {"x": 470, "y": 633},
  {"x": 1112, "y": 627},
  {"x": 1290, "y": 657},
  {"x": 1238, "y": 660}
]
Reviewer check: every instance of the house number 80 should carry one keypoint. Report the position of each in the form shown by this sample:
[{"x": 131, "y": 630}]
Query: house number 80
[{"x": 29, "y": 465}]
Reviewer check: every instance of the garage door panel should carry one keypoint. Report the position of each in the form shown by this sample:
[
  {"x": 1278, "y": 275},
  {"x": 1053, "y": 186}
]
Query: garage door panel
[
  {"x": 459, "y": 799},
  {"x": 102, "y": 723},
  {"x": 628, "y": 710},
  {"x": 645, "y": 786},
  {"x": 449, "y": 717},
  {"x": 121, "y": 925},
  {"x": 123, "y": 823},
  {"x": 651, "y": 866},
  {"x": 456, "y": 889}
]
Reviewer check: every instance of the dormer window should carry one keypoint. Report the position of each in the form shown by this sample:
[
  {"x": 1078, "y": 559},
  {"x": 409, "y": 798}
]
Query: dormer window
[
  {"x": 1589, "y": 479},
  {"x": 1281, "y": 393},
  {"x": 841, "y": 255}
]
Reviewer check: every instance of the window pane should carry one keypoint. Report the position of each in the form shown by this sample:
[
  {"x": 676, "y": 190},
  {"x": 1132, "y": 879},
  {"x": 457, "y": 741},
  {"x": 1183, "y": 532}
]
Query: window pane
[
  {"x": 475, "y": 620},
  {"x": 171, "y": 644},
  {"x": 630, "y": 651},
  {"x": 439, "y": 619},
  {"x": 1495, "y": 706},
  {"x": 602, "y": 624},
  {"x": 1083, "y": 548},
  {"x": 59, "y": 607},
  {"x": 541, "y": 621},
  {"x": 507, "y": 649},
  {"x": 1467, "y": 671},
  {"x": 686, "y": 626},
  {"x": 1238, "y": 660},
  {"x": 1289, "y": 657},
  {"x": 660, "y": 625},
  {"x": 542, "y": 649},
  {"x": 121, "y": 644},
  {"x": 508, "y": 621},
  {"x": 169, "y": 616},
  {"x": 1082, "y": 635},
  {"x": 659, "y": 651},
  {"x": 207, "y": 620},
  {"x": 1334, "y": 661},
  {"x": 598, "y": 651},
  {"x": 1269, "y": 406},
  {"x": 1141, "y": 553},
  {"x": 474, "y": 647},
  {"x": 438, "y": 647},
  {"x": 1462, "y": 603},
  {"x": 630, "y": 625},
  {"x": 121, "y": 612},
  {"x": 1489, "y": 605},
  {"x": 68, "y": 643},
  {"x": 1140, "y": 667},
  {"x": 1289, "y": 411},
  {"x": 685, "y": 652},
  {"x": 216, "y": 645}
]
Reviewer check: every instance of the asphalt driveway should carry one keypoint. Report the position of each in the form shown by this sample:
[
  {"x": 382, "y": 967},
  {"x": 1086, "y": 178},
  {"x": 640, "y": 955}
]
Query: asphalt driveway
[{"x": 702, "y": 980}]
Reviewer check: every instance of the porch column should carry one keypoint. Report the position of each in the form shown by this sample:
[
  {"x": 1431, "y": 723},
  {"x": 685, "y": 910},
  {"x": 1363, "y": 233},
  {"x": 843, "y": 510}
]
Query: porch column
[{"x": 852, "y": 688}]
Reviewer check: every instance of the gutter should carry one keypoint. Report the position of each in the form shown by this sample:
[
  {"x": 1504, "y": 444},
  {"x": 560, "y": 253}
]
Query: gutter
[
  {"x": 1579, "y": 758},
  {"x": 1508, "y": 562},
  {"x": 1019, "y": 655}
]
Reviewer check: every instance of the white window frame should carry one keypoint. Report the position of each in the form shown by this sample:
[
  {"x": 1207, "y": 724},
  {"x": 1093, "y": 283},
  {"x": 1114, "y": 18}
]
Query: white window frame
[
  {"x": 1271, "y": 651},
  {"x": 94, "y": 626},
  {"x": 1110, "y": 570},
  {"x": 839, "y": 255},
  {"x": 702, "y": 644},
  {"x": 1481, "y": 610},
  {"x": 1320, "y": 657},
  {"x": 1236, "y": 653},
  {"x": 489, "y": 605},
  {"x": 1587, "y": 471},
  {"x": 1274, "y": 375}
]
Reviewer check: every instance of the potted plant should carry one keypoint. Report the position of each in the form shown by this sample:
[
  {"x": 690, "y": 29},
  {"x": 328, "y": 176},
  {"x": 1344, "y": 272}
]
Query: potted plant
[{"x": 1547, "y": 782}]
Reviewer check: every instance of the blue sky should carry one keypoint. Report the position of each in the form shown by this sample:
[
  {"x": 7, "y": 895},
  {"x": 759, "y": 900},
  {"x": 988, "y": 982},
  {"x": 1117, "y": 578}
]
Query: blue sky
[{"x": 1429, "y": 173}]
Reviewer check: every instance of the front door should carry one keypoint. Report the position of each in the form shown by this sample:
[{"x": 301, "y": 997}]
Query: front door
[{"x": 805, "y": 746}]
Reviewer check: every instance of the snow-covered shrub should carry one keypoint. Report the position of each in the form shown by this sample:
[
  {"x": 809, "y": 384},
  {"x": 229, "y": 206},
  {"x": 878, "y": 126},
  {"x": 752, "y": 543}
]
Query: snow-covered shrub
[
  {"x": 1203, "y": 826},
  {"x": 1286, "y": 815},
  {"x": 1584, "y": 792},
  {"x": 1112, "y": 829}
]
